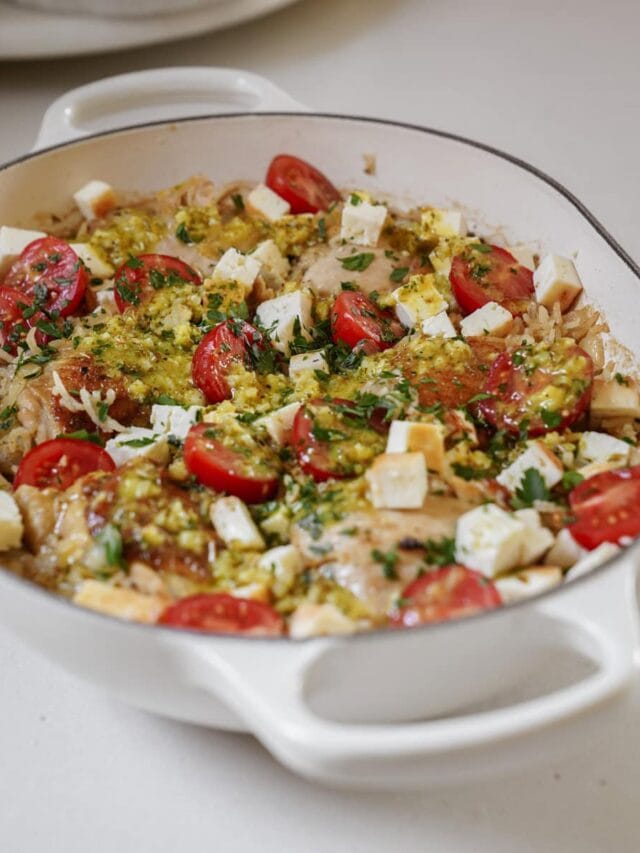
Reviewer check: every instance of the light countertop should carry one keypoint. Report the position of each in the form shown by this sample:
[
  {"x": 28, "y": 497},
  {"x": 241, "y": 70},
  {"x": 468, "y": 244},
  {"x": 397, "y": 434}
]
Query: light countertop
[{"x": 556, "y": 84}]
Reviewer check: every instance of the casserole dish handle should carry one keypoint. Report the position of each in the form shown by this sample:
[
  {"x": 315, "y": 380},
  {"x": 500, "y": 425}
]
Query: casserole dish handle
[
  {"x": 158, "y": 94},
  {"x": 266, "y": 685}
]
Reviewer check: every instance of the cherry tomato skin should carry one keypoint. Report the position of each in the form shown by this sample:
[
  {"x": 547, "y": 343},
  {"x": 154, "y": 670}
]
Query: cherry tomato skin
[
  {"x": 52, "y": 263},
  {"x": 448, "y": 593},
  {"x": 59, "y": 462},
  {"x": 220, "y": 613},
  {"x": 12, "y": 323},
  {"x": 305, "y": 188},
  {"x": 312, "y": 454},
  {"x": 134, "y": 278},
  {"x": 229, "y": 342},
  {"x": 356, "y": 318},
  {"x": 220, "y": 468},
  {"x": 510, "y": 387},
  {"x": 606, "y": 507},
  {"x": 490, "y": 276}
]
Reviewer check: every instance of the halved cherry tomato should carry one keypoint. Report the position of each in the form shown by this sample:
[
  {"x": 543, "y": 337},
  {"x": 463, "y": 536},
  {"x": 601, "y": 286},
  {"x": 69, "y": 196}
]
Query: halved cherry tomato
[
  {"x": 220, "y": 613},
  {"x": 13, "y": 326},
  {"x": 305, "y": 188},
  {"x": 250, "y": 473},
  {"x": 322, "y": 435},
  {"x": 59, "y": 462},
  {"x": 51, "y": 264},
  {"x": 447, "y": 593},
  {"x": 538, "y": 388},
  {"x": 355, "y": 318},
  {"x": 484, "y": 273},
  {"x": 606, "y": 507},
  {"x": 138, "y": 277},
  {"x": 230, "y": 341}
]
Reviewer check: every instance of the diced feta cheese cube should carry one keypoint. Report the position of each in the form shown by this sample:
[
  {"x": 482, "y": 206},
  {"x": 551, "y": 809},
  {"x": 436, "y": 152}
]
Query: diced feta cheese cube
[
  {"x": 602, "y": 447},
  {"x": 315, "y": 620},
  {"x": 137, "y": 441},
  {"x": 362, "y": 223},
  {"x": 285, "y": 563},
  {"x": 314, "y": 360},
  {"x": 272, "y": 258},
  {"x": 285, "y": 316},
  {"x": 398, "y": 481},
  {"x": 106, "y": 301},
  {"x": 417, "y": 300},
  {"x": 524, "y": 254},
  {"x": 174, "y": 420},
  {"x": 611, "y": 398},
  {"x": 234, "y": 525},
  {"x": 491, "y": 319},
  {"x": 428, "y": 439},
  {"x": 234, "y": 266},
  {"x": 556, "y": 280},
  {"x": 95, "y": 199},
  {"x": 256, "y": 591},
  {"x": 12, "y": 243},
  {"x": 97, "y": 266},
  {"x": 278, "y": 423},
  {"x": 565, "y": 550},
  {"x": 536, "y": 540},
  {"x": 489, "y": 540},
  {"x": 266, "y": 203},
  {"x": 440, "y": 324},
  {"x": 538, "y": 457},
  {"x": 123, "y": 603},
  {"x": 528, "y": 583},
  {"x": 443, "y": 223},
  {"x": 11, "y": 526},
  {"x": 593, "y": 559},
  {"x": 593, "y": 468}
]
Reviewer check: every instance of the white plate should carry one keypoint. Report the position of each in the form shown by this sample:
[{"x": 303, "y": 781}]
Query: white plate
[{"x": 28, "y": 34}]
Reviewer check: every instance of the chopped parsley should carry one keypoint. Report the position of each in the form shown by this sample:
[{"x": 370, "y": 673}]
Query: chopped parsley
[
  {"x": 532, "y": 488},
  {"x": 110, "y": 539},
  {"x": 388, "y": 561},
  {"x": 359, "y": 262},
  {"x": 440, "y": 552},
  {"x": 398, "y": 274}
]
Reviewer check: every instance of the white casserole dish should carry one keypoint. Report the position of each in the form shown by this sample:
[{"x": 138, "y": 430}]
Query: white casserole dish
[{"x": 389, "y": 708}]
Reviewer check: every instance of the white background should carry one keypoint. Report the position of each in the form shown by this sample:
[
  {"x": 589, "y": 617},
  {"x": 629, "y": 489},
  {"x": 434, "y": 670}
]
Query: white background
[{"x": 555, "y": 82}]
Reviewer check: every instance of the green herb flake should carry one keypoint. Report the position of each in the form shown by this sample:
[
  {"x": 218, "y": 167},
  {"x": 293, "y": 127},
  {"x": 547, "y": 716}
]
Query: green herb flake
[
  {"x": 359, "y": 262},
  {"x": 532, "y": 488},
  {"x": 388, "y": 560}
]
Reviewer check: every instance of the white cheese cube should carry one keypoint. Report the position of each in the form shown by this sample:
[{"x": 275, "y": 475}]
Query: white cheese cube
[
  {"x": 97, "y": 266},
  {"x": 278, "y": 423},
  {"x": 284, "y": 316},
  {"x": 440, "y": 324},
  {"x": 123, "y": 603},
  {"x": 398, "y": 481},
  {"x": 443, "y": 223},
  {"x": 593, "y": 559},
  {"x": 266, "y": 203},
  {"x": 491, "y": 319},
  {"x": 612, "y": 399},
  {"x": 524, "y": 254},
  {"x": 11, "y": 526},
  {"x": 489, "y": 540},
  {"x": 314, "y": 360},
  {"x": 362, "y": 223},
  {"x": 234, "y": 266},
  {"x": 536, "y": 539},
  {"x": 234, "y": 525},
  {"x": 418, "y": 300},
  {"x": 106, "y": 301},
  {"x": 272, "y": 258},
  {"x": 428, "y": 439},
  {"x": 556, "y": 280},
  {"x": 175, "y": 420},
  {"x": 13, "y": 241},
  {"x": 95, "y": 199},
  {"x": 316, "y": 620},
  {"x": 135, "y": 442},
  {"x": 565, "y": 550},
  {"x": 284, "y": 562},
  {"x": 528, "y": 583},
  {"x": 602, "y": 447},
  {"x": 538, "y": 457}
]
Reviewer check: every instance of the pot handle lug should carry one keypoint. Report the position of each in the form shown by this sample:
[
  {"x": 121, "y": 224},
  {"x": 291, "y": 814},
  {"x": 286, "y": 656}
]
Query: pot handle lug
[
  {"x": 155, "y": 95},
  {"x": 267, "y": 690}
]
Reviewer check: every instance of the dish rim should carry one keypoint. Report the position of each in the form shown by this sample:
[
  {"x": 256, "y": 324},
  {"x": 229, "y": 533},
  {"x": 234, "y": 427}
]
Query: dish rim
[{"x": 376, "y": 632}]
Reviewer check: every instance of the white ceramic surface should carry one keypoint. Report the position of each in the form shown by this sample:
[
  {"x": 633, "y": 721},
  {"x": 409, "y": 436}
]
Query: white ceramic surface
[
  {"x": 114, "y": 8},
  {"x": 337, "y": 710},
  {"x": 30, "y": 34}
]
